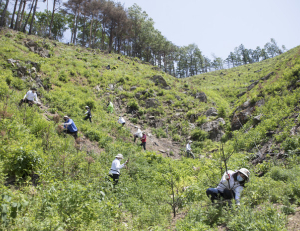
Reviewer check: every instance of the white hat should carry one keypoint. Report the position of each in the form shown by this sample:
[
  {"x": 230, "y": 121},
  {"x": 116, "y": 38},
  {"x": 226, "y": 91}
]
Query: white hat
[
  {"x": 245, "y": 172},
  {"x": 66, "y": 116},
  {"x": 190, "y": 141},
  {"x": 86, "y": 106},
  {"x": 120, "y": 156}
]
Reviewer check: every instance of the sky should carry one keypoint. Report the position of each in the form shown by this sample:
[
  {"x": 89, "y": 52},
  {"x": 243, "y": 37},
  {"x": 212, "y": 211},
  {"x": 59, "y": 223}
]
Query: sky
[{"x": 218, "y": 26}]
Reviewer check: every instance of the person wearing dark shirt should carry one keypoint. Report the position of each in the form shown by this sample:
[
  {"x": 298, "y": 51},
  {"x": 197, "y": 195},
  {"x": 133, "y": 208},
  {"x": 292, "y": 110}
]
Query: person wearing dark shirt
[{"x": 88, "y": 114}]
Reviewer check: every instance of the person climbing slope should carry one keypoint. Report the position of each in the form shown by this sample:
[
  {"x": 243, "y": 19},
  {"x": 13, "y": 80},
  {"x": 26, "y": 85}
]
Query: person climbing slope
[
  {"x": 114, "y": 171},
  {"x": 230, "y": 186},
  {"x": 121, "y": 121},
  {"x": 70, "y": 126},
  {"x": 30, "y": 97},
  {"x": 110, "y": 107},
  {"x": 88, "y": 114},
  {"x": 143, "y": 140},
  {"x": 138, "y": 134},
  {"x": 189, "y": 150}
]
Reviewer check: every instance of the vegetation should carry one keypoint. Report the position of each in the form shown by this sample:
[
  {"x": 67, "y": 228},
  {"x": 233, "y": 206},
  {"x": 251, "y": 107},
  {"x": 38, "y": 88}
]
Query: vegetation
[{"x": 51, "y": 181}]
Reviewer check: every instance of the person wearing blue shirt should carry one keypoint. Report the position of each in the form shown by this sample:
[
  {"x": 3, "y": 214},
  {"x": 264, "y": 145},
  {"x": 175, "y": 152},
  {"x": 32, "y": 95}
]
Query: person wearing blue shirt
[{"x": 70, "y": 127}]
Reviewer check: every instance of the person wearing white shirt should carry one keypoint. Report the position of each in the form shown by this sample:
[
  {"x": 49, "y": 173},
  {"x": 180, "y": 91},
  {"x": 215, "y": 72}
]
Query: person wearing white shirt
[
  {"x": 114, "y": 171},
  {"x": 30, "y": 97},
  {"x": 121, "y": 121},
  {"x": 230, "y": 186},
  {"x": 189, "y": 150},
  {"x": 138, "y": 134}
]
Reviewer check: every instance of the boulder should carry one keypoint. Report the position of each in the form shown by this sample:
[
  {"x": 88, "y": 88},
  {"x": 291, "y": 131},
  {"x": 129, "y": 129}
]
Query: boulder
[
  {"x": 177, "y": 97},
  {"x": 211, "y": 112},
  {"x": 201, "y": 96},
  {"x": 240, "y": 118},
  {"x": 257, "y": 119},
  {"x": 214, "y": 129},
  {"x": 160, "y": 81},
  {"x": 151, "y": 102},
  {"x": 132, "y": 88},
  {"x": 138, "y": 95}
]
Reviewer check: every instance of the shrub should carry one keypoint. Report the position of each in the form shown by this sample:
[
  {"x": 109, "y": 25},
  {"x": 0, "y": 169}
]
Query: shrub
[
  {"x": 133, "y": 105},
  {"x": 277, "y": 173},
  {"x": 63, "y": 77},
  {"x": 222, "y": 112},
  {"x": 199, "y": 135}
]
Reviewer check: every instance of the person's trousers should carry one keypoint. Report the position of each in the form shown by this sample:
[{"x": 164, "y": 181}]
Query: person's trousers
[
  {"x": 188, "y": 153},
  {"x": 214, "y": 194},
  {"x": 88, "y": 117},
  {"x": 143, "y": 144},
  {"x": 115, "y": 178},
  {"x": 30, "y": 102},
  {"x": 74, "y": 134}
]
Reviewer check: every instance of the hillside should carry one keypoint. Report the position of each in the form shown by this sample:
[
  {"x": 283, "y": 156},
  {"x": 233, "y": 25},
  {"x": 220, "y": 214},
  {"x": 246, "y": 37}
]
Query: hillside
[{"x": 50, "y": 181}]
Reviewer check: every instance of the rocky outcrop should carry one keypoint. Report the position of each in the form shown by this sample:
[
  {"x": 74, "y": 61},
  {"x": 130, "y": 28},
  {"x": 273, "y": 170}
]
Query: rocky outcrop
[
  {"x": 160, "y": 81},
  {"x": 244, "y": 113},
  {"x": 201, "y": 96},
  {"x": 211, "y": 112},
  {"x": 151, "y": 102},
  {"x": 214, "y": 129},
  {"x": 34, "y": 47}
]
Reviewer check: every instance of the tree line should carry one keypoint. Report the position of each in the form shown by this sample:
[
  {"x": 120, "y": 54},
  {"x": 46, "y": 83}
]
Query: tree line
[{"x": 109, "y": 26}]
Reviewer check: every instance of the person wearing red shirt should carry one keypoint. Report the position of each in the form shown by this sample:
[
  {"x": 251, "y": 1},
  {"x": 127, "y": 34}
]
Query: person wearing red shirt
[{"x": 143, "y": 139}]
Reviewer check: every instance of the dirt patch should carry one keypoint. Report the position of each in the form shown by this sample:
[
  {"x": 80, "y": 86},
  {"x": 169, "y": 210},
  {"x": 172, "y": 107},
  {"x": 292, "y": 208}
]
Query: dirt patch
[{"x": 294, "y": 221}]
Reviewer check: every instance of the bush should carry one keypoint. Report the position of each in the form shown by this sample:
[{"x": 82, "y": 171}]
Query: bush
[
  {"x": 63, "y": 77},
  {"x": 199, "y": 135},
  {"x": 277, "y": 173}
]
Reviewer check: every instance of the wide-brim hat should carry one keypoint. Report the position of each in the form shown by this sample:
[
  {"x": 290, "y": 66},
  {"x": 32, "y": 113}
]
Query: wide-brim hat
[
  {"x": 87, "y": 107},
  {"x": 120, "y": 156},
  {"x": 66, "y": 117},
  {"x": 245, "y": 172}
]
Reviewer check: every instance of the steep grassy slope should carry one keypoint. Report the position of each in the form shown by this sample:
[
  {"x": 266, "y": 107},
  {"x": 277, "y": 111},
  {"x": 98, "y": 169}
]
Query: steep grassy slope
[{"x": 74, "y": 192}]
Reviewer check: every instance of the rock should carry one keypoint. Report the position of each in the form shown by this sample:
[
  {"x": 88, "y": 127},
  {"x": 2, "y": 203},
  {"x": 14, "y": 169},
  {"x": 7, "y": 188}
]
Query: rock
[
  {"x": 160, "y": 81},
  {"x": 156, "y": 123},
  {"x": 12, "y": 62},
  {"x": 201, "y": 96},
  {"x": 179, "y": 110},
  {"x": 97, "y": 88},
  {"x": 151, "y": 117},
  {"x": 258, "y": 71},
  {"x": 192, "y": 119},
  {"x": 267, "y": 76},
  {"x": 33, "y": 70},
  {"x": 138, "y": 95},
  {"x": 169, "y": 102},
  {"x": 132, "y": 88},
  {"x": 177, "y": 97},
  {"x": 111, "y": 86},
  {"x": 241, "y": 94},
  {"x": 120, "y": 88},
  {"x": 151, "y": 102},
  {"x": 257, "y": 119},
  {"x": 252, "y": 85},
  {"x": 241, "y": 118},
  {"x": 211, "y": 112},
  {"x": 214, "y": 129}
]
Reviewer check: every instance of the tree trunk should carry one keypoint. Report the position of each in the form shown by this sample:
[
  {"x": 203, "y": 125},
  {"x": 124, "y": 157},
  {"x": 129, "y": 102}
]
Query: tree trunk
[
  {"x": 32, "y": 19},
  {"x": 22, "y": 15},
  {"x": 90, "y": 40},
  {"x": 75, "y": 29},
  {"x": 110, "y": 38},
  {"x": 83, "y": 32},
  {"x": 18, "y": 15},
  {"x": 2, "y": 22},
  {"x": 24, "y": 28},
  {"x": 13, "y": 15},
  {"x": 52, "y": 17}
]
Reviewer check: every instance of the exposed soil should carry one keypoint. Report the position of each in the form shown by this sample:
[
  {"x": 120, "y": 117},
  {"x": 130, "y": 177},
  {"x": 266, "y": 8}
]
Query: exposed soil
[{"x": 294, "y": 221}]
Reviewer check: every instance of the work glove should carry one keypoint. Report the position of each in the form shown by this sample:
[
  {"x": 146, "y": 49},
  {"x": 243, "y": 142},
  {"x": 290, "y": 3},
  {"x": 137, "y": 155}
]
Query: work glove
[{"x": 227, "y": 177}]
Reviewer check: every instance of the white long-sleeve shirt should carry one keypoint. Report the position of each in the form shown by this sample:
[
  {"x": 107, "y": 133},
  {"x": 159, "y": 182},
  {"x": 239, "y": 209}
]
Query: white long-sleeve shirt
[
  {"x": 139, "y": 133},
  {"x": 121, "y": 120},
  {"x": 31, "y": 96},
  {"x": 234, "y": 185},
  {"x": 188, "y": 147},
  {"x": 116, "y": 166}
]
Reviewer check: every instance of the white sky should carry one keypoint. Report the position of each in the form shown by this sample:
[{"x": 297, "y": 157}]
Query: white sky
[{"x": 218, "y": 26}]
